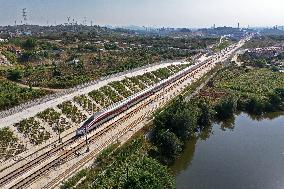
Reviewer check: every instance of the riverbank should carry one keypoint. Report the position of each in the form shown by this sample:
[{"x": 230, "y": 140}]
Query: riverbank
[
  {"x": 182, "y": 121},
  {"x": 95, "y": 175},
  {"x": 233, "y": 89}
]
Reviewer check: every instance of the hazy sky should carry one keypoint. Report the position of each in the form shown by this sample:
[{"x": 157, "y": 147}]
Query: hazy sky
[{"x": 175, "y": 13}]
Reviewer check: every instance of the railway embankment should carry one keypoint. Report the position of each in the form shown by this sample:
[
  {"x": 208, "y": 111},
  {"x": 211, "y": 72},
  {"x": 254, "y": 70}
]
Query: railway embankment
[
  {"x": 64, "y": 115},
  {"x": 220, "y": 96},
  {"x": 124, "y": 162}
]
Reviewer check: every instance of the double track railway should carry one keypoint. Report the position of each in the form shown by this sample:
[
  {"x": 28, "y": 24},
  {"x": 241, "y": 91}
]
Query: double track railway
[{"x": 61, "y": 155}]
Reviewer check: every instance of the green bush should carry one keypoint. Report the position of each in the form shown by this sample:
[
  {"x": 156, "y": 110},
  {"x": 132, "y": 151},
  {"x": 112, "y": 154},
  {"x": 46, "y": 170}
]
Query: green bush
[
  {"x": 15, "y": 74},
  {"x": 30, "y": 43},
  {"x": 225, "y": 108},
  {"x": 10, "y": 144},
  {"x": 12, "y": 95},
  {"x": 33, "y": 130},
  {"x": 110, "y": 93},
  {"x": 99, "y": 98},
  {"x": 120, "y": 88},
  {"x": 10, "y": 56},
  {"x": 72, "y": 112},
  {"x": 85, "y": 103}
]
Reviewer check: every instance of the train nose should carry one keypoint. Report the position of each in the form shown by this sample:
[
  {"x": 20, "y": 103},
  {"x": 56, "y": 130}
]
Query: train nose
[{"x": 79, "y": 132}]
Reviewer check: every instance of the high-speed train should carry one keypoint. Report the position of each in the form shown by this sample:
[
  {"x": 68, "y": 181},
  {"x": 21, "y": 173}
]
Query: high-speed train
[
  {"x": 105, "y": 115},
  {"x": 99, "y": 118}
]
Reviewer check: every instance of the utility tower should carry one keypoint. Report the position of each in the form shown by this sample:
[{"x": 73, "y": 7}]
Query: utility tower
[
  {"x": 24, "y": 15},
  {"x": 68, "y": 20},
  {"x": 85, "y": 21}
]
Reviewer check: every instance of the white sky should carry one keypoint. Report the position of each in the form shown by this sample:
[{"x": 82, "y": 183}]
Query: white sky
[{"x": 175, "y": 13}]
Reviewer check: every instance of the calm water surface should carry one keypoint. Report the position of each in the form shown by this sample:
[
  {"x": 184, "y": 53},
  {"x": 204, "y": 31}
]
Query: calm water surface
[{"x": 243, "y": 153}]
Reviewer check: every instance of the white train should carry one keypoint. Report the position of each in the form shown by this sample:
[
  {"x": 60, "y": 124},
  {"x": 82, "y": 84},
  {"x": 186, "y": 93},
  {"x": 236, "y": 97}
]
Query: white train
[{"x": 99, "y": 118}]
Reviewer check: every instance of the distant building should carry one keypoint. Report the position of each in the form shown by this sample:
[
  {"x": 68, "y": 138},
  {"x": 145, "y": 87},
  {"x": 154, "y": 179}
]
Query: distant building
[
  {"x": 27, "y": 33},
  {"x": 3, "y": 40}
]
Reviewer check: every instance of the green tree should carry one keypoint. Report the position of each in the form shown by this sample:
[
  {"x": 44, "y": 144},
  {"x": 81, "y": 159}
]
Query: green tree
[
  {"x": 274, "y": 101},
  {"x": 27, "y": 56},
  {"x": 254, "y": 106},
  {"x": 148, "y": 173},
  {"x": 225, "y": 108},
  {"x": 206, "y": 114},
  {"x": 184, "y": 122},
  {"x": 179, "y": 117},
  {"x": 15, "y": 74},
  {"x": 30, "y": 43},
  {"x": 280, "y": 92},
  {"x": 260, "y": 63},
  {"x": 110, "y": 46},
  {"x": 10, "y": 56},
  {"x": 168, "y": 143}
]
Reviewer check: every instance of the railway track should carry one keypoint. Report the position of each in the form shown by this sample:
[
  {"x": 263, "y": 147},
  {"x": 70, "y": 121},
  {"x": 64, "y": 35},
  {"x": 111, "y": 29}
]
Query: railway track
[
  {"x": 15, "y": 174},
  {"x": 86, "y": 159},
  {"x": 18, "y": 172},
  {"x": 90, "y": 156},
  {"x": 66, "y": 155},
  {"x": 69, "y": 154},
  {"x": 34, "y": 153}
]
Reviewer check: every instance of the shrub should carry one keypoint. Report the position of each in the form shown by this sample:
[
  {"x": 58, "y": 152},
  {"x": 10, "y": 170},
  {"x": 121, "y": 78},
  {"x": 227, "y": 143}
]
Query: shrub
[{"x": 33, "y": 130}]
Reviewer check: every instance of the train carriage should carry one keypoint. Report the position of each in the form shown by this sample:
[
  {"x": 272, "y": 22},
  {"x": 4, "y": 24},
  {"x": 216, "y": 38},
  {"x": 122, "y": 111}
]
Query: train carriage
[{"x": 102, "y": 117}]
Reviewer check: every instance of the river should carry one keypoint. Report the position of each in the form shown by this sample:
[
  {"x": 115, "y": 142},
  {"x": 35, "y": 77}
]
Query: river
[{"x": 242, "y": 153}]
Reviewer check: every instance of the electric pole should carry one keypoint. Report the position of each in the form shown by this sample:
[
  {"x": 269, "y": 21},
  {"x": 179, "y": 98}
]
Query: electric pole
[{"x": 24, "y": 15}]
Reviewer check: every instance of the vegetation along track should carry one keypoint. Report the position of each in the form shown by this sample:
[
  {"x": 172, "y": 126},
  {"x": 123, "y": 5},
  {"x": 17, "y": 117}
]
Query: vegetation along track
[
  {"x": 18, "y": 172},
  {"x": 68, "y": 154},
  {"x": 87, "y": 158},
  {"x": 36, "y": 152},
  {"x": 90, "y": 156}
]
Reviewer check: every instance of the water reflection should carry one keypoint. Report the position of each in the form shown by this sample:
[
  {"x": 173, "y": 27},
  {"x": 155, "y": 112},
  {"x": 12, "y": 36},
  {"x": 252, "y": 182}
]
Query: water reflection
[
  {"x": 243, "y": 152},
  {"x": 205, "y": 134},
  {"x": 185, "y": 159},
  {"x": 228, "y": 124},
  {"x": 267, "y": 116},
  {"x": 188, "y": 153}
]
